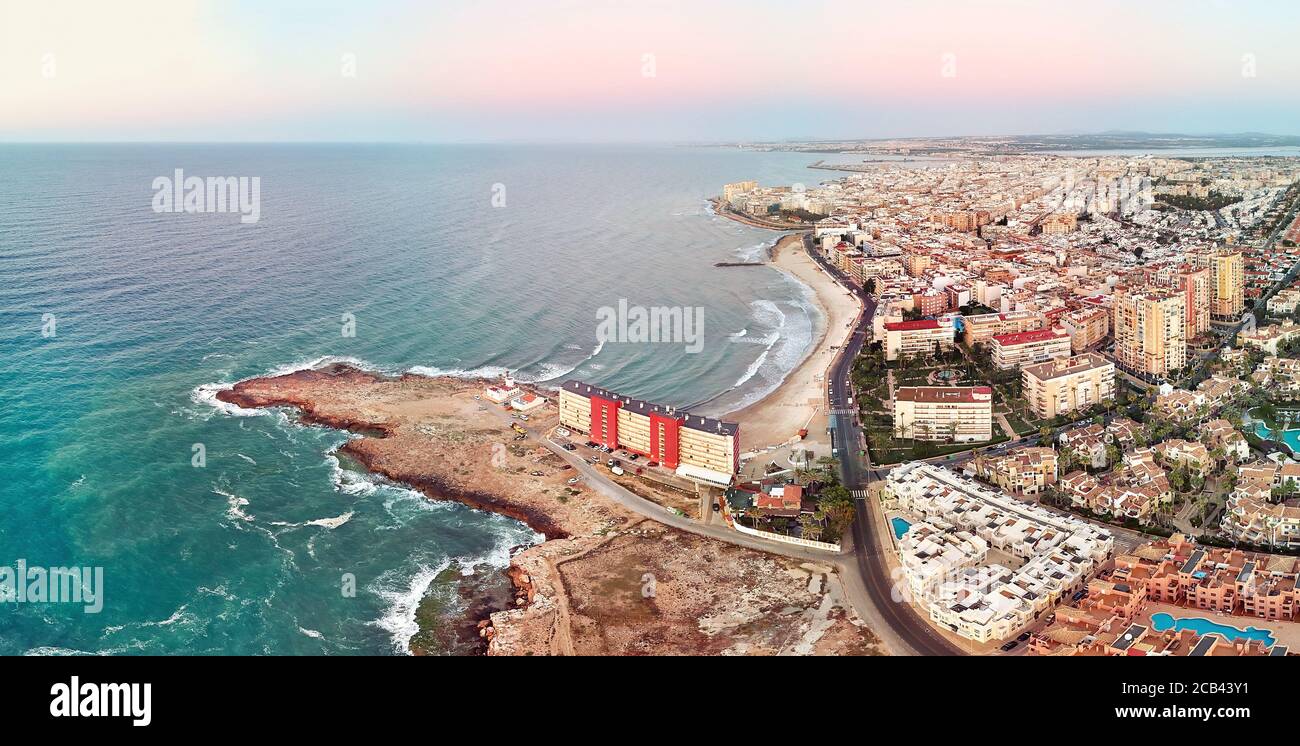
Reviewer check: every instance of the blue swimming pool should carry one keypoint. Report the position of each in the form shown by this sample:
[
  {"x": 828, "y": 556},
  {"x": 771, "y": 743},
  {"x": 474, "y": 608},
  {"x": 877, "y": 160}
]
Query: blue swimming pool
[
  {"x": 1203, "y": 626},
  {"x": 1290, "y": 437},
  {"x": 900, "y": 526}
]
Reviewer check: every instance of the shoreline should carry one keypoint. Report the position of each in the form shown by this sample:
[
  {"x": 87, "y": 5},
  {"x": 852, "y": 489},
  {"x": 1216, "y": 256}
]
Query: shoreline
[
  {"x": 581, "y": 591},
  {"x": 798, "y": 401}
]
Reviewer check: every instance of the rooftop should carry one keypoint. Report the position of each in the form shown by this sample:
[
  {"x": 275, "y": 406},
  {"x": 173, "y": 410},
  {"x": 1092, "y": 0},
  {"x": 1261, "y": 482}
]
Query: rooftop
[{"x": 953, "y": 394}]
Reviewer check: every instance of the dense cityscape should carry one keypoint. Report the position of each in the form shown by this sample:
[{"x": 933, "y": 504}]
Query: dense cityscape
[{"x": 1074, "y": 402}]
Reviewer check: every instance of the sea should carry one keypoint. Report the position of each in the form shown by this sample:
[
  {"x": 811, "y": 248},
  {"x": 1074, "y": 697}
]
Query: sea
[{"x": 226, "y": 531}]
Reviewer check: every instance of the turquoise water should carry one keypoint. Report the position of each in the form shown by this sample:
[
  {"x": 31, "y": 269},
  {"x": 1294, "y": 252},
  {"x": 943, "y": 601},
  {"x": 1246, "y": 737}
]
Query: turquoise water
[
  {"x": 1203, "y": 626},
  {"x": 900, "y": 526},
  {"x": 156, "y": 312},
  {"x": 1290, "y": 437}
]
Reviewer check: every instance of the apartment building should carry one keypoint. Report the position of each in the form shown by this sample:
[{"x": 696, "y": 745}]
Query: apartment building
[
  {"x": 1270, "y": 336},
  {"x": 1150, "y": 330},
  {"x": 1025, "y": 471},
  {"x": 983, "y": 327},
  {"x": 1227, "y": 282},
  {"x": 1285, "y": 303},
  {"x": 1067, "y": 385},
  {"x": 1195, "y": 285},
  {"x": 732, "y": 191},
  {"x": 919, "y": 338},
  {"x": 1228, "y": 299},
  {"x": 1087, "y": 328},
  {"x": 1026, "y": 348},
  {"x": 697, "y": 447},
  {"x": 1281, "y": 374},
  {"x": 960, "y": 414},
  {"x": 965, "y": 521}
]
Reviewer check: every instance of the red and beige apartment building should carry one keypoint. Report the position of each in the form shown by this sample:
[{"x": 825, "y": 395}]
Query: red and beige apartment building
[
  {"x": 962, "y": 414},
  {"x": 697, "y": 447},
  {"x": 1026, "y": 348},
  {"x": 983, "y": 327},
  {"x": 1197, "y": 295}
]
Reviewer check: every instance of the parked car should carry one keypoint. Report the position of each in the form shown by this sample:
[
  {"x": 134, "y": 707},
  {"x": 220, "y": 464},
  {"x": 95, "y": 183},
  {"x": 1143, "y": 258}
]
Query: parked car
[
  {"x": 574, "y": 480},
  {"x": 653, "y": 463},
  {"x": 520, "y": 436},
  {"x": 1009, "y": 646},
  {"x": 591, "y": 444},
  {"x": 717, "y": 508},
  {"x": 537, "y": 473},
  {"x": 562, "y": 432},
  {"x": 1023, "y": 637},
  {"x": 569, "y": 447},
  {"x": 633, "y": 457}
]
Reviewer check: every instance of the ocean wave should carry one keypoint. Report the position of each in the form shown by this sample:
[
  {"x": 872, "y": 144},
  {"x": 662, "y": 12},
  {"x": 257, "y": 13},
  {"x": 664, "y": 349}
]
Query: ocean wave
[
  {"x": 206, "y": 394},
  {"x": 433, "y": 371},
  {"x": 330, "y": 523},
  {"x": 757, "y": 365},
  {"x": 404, "y": 601},
  {"x": 348, "y": 481},
  {"x": 235, "y": 505},
  {"x": 756, "y": 252},
  {"x": 767, "y": 314}
]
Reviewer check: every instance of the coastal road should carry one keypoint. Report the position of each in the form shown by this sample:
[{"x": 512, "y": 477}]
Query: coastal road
[
  {"x": 598, "y": 480},
  {"x": 855, "y": 469}
]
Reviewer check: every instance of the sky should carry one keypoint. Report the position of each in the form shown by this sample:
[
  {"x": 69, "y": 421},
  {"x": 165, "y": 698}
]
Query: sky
[{"x": 640, "y": 70}]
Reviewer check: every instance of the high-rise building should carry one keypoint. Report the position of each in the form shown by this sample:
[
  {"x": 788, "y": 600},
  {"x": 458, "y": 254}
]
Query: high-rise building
[
  {"x": 1227, "y": 282},
  {"x": 1150, "y": 329},
  {"x": 1197, "y": 295},
  {"x": 731, "y": 191},
  {"x": 1229, "y": 296}
]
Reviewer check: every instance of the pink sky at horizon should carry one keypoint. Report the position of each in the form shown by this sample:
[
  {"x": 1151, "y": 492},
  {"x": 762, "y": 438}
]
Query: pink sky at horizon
[{"x": 188, "y": 69}]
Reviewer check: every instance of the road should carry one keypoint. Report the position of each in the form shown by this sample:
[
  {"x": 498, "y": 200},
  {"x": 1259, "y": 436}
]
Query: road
[{"x": 855, "y": 467}]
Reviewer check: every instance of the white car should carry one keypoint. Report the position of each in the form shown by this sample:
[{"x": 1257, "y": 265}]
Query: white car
[{"x": 562, "y": 432}]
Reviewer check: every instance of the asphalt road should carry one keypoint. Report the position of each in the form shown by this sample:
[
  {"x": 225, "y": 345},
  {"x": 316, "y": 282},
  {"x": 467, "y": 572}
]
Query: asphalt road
[{"x": 855, "y": 468}]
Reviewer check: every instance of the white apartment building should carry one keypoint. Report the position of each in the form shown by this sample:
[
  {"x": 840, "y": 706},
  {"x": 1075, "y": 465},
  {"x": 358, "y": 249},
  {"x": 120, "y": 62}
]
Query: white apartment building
[
  {"x": 987, "y": 603},
  {"x": 1026, "y": 348}
]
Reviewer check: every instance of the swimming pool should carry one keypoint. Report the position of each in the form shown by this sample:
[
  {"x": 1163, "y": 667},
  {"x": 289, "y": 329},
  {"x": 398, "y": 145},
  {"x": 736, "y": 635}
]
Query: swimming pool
[
  {"x": 1203, "y": 626},
  {"x": 900, "y": 526},
  {"x": 1291, "y": 438}
]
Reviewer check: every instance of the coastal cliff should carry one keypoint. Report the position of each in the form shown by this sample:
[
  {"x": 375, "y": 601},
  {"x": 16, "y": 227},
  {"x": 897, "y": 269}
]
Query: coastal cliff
[{"x": 606, "y": 580}]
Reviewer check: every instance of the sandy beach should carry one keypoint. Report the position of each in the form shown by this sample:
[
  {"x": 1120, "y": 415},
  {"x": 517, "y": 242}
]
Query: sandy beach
[{"x": 799, "y": 401}]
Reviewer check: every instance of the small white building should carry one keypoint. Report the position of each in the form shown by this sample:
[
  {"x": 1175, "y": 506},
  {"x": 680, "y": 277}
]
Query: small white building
[{"x": 527, "y": 402}]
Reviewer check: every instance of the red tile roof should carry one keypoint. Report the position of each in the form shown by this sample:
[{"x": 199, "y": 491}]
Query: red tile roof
[
  {"x": 1037, "y": 335},
  {"x": 907, "y": 326}
]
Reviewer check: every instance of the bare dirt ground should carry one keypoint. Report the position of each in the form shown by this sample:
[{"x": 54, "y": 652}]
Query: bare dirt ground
[{"x": 607, "y": 581}]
